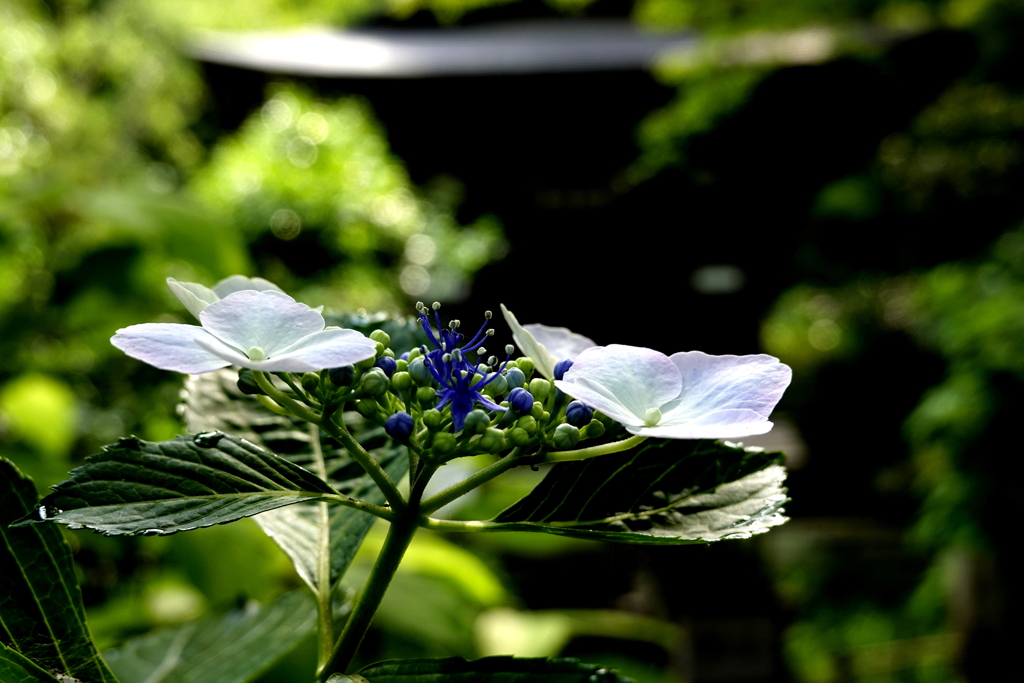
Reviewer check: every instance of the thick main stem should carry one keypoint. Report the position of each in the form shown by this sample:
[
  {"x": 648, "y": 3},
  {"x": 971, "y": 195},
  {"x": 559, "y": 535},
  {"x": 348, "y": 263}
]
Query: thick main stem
[
  {"x": 323, "y": 575},
  {"x": 398, "y": 538}
]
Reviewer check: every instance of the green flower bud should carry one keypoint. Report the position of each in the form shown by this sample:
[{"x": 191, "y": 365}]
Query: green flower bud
[
  {"x": 381, "y": 336},
  {"x": 593, "y": 430},
  {"x": 311, "y": 381},
  {"x": 610, "y": 425},
  {"x": 540, "y": 388},
  {"x": 366, "y": 407},
  {"x": 401, "y": 365},
  {"x": 380, "y": 349},
  {"x": 365, "y": 364},
  {"x": 526, "y": 365},
  {"x": 420, "y": 373},
  {"x": 247, "y": 383},
  {"x": 497, "y": 386},
  {"x": 400, "y": 381},
  {"x": 444, "y": 443},
  {"x": 493, "y": 440},
  {"x": 426, "y": 395},
  {"x": 375, "y": 382},
  {"x": 537, "y": 411},
  {"x": 414, "y": 354},
  {"x": 389, "y": 353},
  {"x": 566, "y": 436},
  {"x": 528, "y": 423},
  {"x": 518, "y": 437},
  {"x": 476, "y": 422},
  {"x": 432, "y": 419}
]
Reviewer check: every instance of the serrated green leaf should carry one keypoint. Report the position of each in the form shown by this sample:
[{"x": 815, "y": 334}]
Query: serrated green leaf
[
  {"x": 486, "y": 670},
  {"x": 234, "y": 648},
  {"x": 212, "y": 401},
  {"x": 41, "y": 613},
  {"x": 16, "y": 668},
  {"x": 666, "y": 493},
  {"x": 143, "y": 487}
]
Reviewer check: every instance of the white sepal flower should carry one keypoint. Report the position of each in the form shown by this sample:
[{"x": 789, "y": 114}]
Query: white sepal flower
[
  {"x": 196, "y": 297},
  {"x": 262, "y": 330},
  {"x": 689, "y": 395},
  {"x": 545, "y": 345}
]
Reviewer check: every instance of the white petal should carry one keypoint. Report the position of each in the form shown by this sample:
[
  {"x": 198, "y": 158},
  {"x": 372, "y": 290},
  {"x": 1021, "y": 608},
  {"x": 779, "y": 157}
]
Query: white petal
[
  {"x": 714, "y": 383},
  {"x": 560, "y": 342},
  {"x": 635, "y": 377},
  {"x": 170, "y": 346},
  {"x": 720, "y": 424},
  {"x": 241, "y": 283},
  {"x": 529, "y": 346},
  {"x": 194, "y": 297},
  {"x": 326, "y": 349},
  {"x": 270, "y": 320},
  {"x": 600, "y": 398}
]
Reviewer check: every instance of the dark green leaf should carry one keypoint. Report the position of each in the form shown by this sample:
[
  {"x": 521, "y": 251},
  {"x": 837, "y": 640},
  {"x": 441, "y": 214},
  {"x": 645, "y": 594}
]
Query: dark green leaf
[
  {"x": 666, "y": 493},
  {"x": 486, "y": 670},
  {"x": 212, "y": 401},
  {"x": 234, "y": 648},
  {"x": 41, "y": 612},
  {"x": 142, "y": 487},
  {"x": 16, "y": 668}
]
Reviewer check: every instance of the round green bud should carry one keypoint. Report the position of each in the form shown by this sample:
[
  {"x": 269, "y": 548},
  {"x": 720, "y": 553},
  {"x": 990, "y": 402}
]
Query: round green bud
[
  {"x": 540, "y": 388},
  {"x": 400, "y": 381},
  {"x": 476, "y": 422},
  {"x": 610, "y": 425},
  {"x": 366, "y": 407},
  {"x": 432, "y": 419},
  {"x": 526, "y": 365},
  {"x": 365, "y": 364},
  {"x": 375, "y": 382},
  {"x": 380, "y": 349},
  {"x": 537, "y": 411},
  {"x": 493, "y": 440},
  {"x": 593, "y": 430},
  {"x": 420, "y": 373},
  {"x": 518, "y": 437},
  {"x": 566, "y": 436},
  {"x": 497, "y": 386},
  {"x": 444, "y": 443},
  {"x": 381, "y": 336},
  {"x": 389, "y": 353},
  {"x": 528, "y": 423},
  {"x": 426, "y": 395},
  {"x": 247, "y": 383},
  {"x": 311, "y": 381},
  {"x": 401, "y": 365},
  {"x": 415, "y": 353}
]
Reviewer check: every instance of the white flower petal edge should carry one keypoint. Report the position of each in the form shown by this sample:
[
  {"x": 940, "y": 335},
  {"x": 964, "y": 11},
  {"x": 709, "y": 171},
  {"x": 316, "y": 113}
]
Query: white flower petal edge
[
  {"x": 692, "y": 395},
  {"x": 171, "y": 346},
  {"x": 280, "y": 335},
  {"x": 545, "y": 345},
  {"x": 196, "y": 297}
]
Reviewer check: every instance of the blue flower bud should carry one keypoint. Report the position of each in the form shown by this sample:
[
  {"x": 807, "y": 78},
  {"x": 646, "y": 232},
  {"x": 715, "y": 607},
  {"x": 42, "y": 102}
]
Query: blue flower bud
[
  {"x": 520, "y": 400},
  {"x": 561, "y": 367},
  {"x": 399, "y": 426},
  {"x": 578, "y": 414},
  {"x": 515, "y": 378},
  {"x": 404, "y": 356},
  {"x": 343, "y": 376},
  {"x": 388, "y": 365}
]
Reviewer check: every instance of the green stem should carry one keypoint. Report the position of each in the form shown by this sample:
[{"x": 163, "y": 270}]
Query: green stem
[
  {"x": 360, "y": 455},
  {"x": 594, "y": 451},
  {"x": 395, "y": 545},
  {"x": 287, "y": 402},
  {"x": 375, "y": 510},
  {"x": 468, "y": 484}
]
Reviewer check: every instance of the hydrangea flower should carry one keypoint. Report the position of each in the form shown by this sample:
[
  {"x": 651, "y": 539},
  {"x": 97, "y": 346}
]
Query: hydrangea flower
[
  {"x": 448, "y": 365},
  {"x": 261, "y": 330},
  {"x": 545, "y": 345},
  {"x": 196, "y": 297},
  {"x": 689, "y": 395}
]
